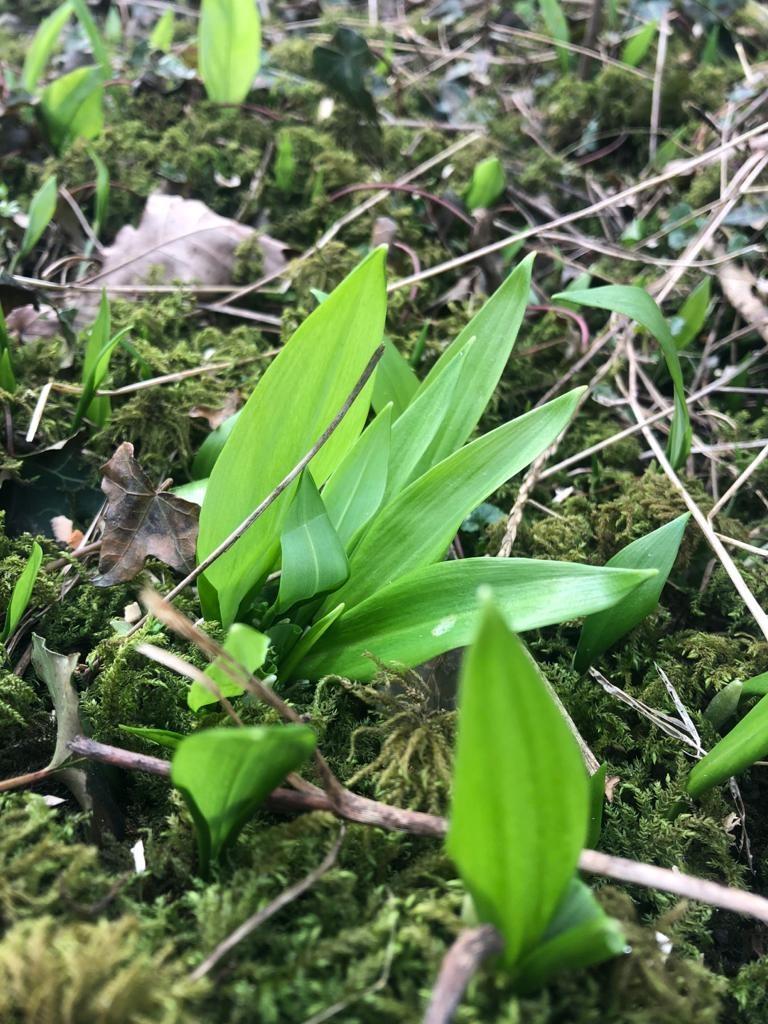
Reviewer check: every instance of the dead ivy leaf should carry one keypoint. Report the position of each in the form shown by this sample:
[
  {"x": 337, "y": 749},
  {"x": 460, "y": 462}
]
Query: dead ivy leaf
[
  {"x": 142, "y": 521},
  {"x": 215, "y": 415},
  {"x": 56, "y": 671}
]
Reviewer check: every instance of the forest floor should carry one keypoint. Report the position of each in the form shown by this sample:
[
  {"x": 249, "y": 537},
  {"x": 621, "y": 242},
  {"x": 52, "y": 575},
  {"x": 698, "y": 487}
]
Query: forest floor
[{"x": 642, "y": 164}]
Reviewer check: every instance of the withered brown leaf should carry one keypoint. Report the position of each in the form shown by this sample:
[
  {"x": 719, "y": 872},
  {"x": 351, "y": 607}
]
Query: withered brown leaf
[{"x": 142, "y": 521}]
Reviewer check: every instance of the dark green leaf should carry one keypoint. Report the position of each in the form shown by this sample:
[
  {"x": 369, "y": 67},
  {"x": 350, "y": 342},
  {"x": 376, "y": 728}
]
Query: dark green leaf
[
  {"x": 580, "y": 934},
  {"x": 342, "y": 65},
  {"x": 41, "y": 210}
]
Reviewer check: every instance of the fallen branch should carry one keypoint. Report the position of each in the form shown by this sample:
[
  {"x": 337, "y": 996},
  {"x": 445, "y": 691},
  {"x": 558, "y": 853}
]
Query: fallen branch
[
  {"x": 393, "y": 819},
  {"x": 459, "y": 966}
]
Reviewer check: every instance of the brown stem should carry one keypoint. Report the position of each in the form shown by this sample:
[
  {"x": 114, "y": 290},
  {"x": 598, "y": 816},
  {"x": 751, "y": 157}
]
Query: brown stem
[
  {"x": 459, "y": 966},
  {"x": 25, "y": 780},
  {"x": 370, "y": 812}
]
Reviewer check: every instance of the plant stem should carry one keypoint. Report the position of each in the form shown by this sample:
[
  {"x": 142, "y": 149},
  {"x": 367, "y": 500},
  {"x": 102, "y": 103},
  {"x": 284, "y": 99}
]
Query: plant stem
[
  {"x": 371, "y": 812},
  {"x": 459, "y": 966}
]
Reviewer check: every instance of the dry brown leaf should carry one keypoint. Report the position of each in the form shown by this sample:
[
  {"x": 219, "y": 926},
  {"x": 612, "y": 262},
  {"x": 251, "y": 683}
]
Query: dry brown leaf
[
  {"x": 216, "y": 416},
  {"x": 142, "y": 521},
  {"x": 177, "y": 239},
  {"x": 740, "y": 289}
]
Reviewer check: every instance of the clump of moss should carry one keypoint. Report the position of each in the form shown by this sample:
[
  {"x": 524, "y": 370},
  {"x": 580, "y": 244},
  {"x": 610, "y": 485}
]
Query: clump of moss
[
  {"x": 87, "y": 974},
  {"x": 43, "y": 867}
]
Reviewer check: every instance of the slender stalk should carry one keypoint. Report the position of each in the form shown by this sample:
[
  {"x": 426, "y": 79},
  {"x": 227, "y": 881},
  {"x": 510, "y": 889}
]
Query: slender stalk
[
  {"x": 370, "y": 812},
  {"x": 459, "y": 966}
]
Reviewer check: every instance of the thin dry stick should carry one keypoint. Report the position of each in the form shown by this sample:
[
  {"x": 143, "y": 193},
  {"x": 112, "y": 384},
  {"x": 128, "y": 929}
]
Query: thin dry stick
[
  {"x": 658, "y": 84},
  {"x": 737, "y": 483},
  {"x": 705, "y": 526},
  {"x": 459, "y": 966},
  {"x": 260, "y": 509},
  {"x": 256, "y": 920},
  {"x": 683, "y": 167},
  {"x": 397, "y": 819}
]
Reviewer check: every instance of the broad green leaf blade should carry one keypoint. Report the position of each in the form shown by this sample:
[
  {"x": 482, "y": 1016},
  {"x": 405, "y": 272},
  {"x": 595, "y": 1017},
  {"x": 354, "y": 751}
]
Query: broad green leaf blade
[
  {"x": 356, "y": 489},
  {"x": 394, "y": 382},
  {"x": 161, "y": 36},
  {"x": 434, "y": 609},
  {"x": 163, "y": 737},
  {"x": 636, "y": 47},
  {"x": 343, "y": 64},
  {"x": 249, "y": 648},
  {"x": 193, "y": 491},
  {"x": 580, "y": 934},
  {"x": 487, "y": 185},
  {"x": 225, "y": 774},
  {"x": 417, "y": 434},
  {"x": 657, "y": 550},
  {"x": 22, "y": 592},
  {"x": 313, "y": 557},
  {"x": 417, "y": 526},
  {"x": 638, "y": 305},
  {"x": 520, "y": 794},
  {"x": 98, "y": 49},
  {"x": 494, "y": 328},
  {"x": 43, "y": 44},
  {"x": 757, "y": 686},
  {"x": 692, "y": 315},
  {"x": 292, "y": 404},
  {"x": 71, "y": 106},
  {"x": 41, "y": 210},
  {"x": 746, "y": 743},
  {"x": 229, "y": 48},
  {"x": 557, "y": 26},
  {"x": 211, "y": 448}
]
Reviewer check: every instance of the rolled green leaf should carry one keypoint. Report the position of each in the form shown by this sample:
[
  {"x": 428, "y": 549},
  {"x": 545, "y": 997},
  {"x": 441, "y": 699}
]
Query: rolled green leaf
[{"x": 657, "y": 550}]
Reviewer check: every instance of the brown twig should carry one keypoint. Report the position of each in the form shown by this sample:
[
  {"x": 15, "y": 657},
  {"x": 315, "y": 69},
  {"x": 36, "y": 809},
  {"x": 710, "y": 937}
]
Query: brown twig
[
  {"x": 397, "y": 819},
  {"x": 459, "y": 966}
]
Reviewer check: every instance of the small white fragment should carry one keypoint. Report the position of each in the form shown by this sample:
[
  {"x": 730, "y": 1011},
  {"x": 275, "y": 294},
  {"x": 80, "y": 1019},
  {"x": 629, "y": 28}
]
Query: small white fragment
[
  {"x": 325, "y": 108},
  {"x": 664, "y": 943},
  {"x": 139, "y": 860},
  {"x": 561, "y": 493},
  {"x": 52, "y": 801},
  {"x": 132, "y": 612},
  {"x": 444, "y": 625}
]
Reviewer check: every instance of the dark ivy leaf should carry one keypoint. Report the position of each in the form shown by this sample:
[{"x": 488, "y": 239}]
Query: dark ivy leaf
[{"x": 342, "y": 66}]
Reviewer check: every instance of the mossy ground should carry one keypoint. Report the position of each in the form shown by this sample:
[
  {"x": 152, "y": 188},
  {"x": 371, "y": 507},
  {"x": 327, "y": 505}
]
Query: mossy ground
[{"x": 85, "y": 938}]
